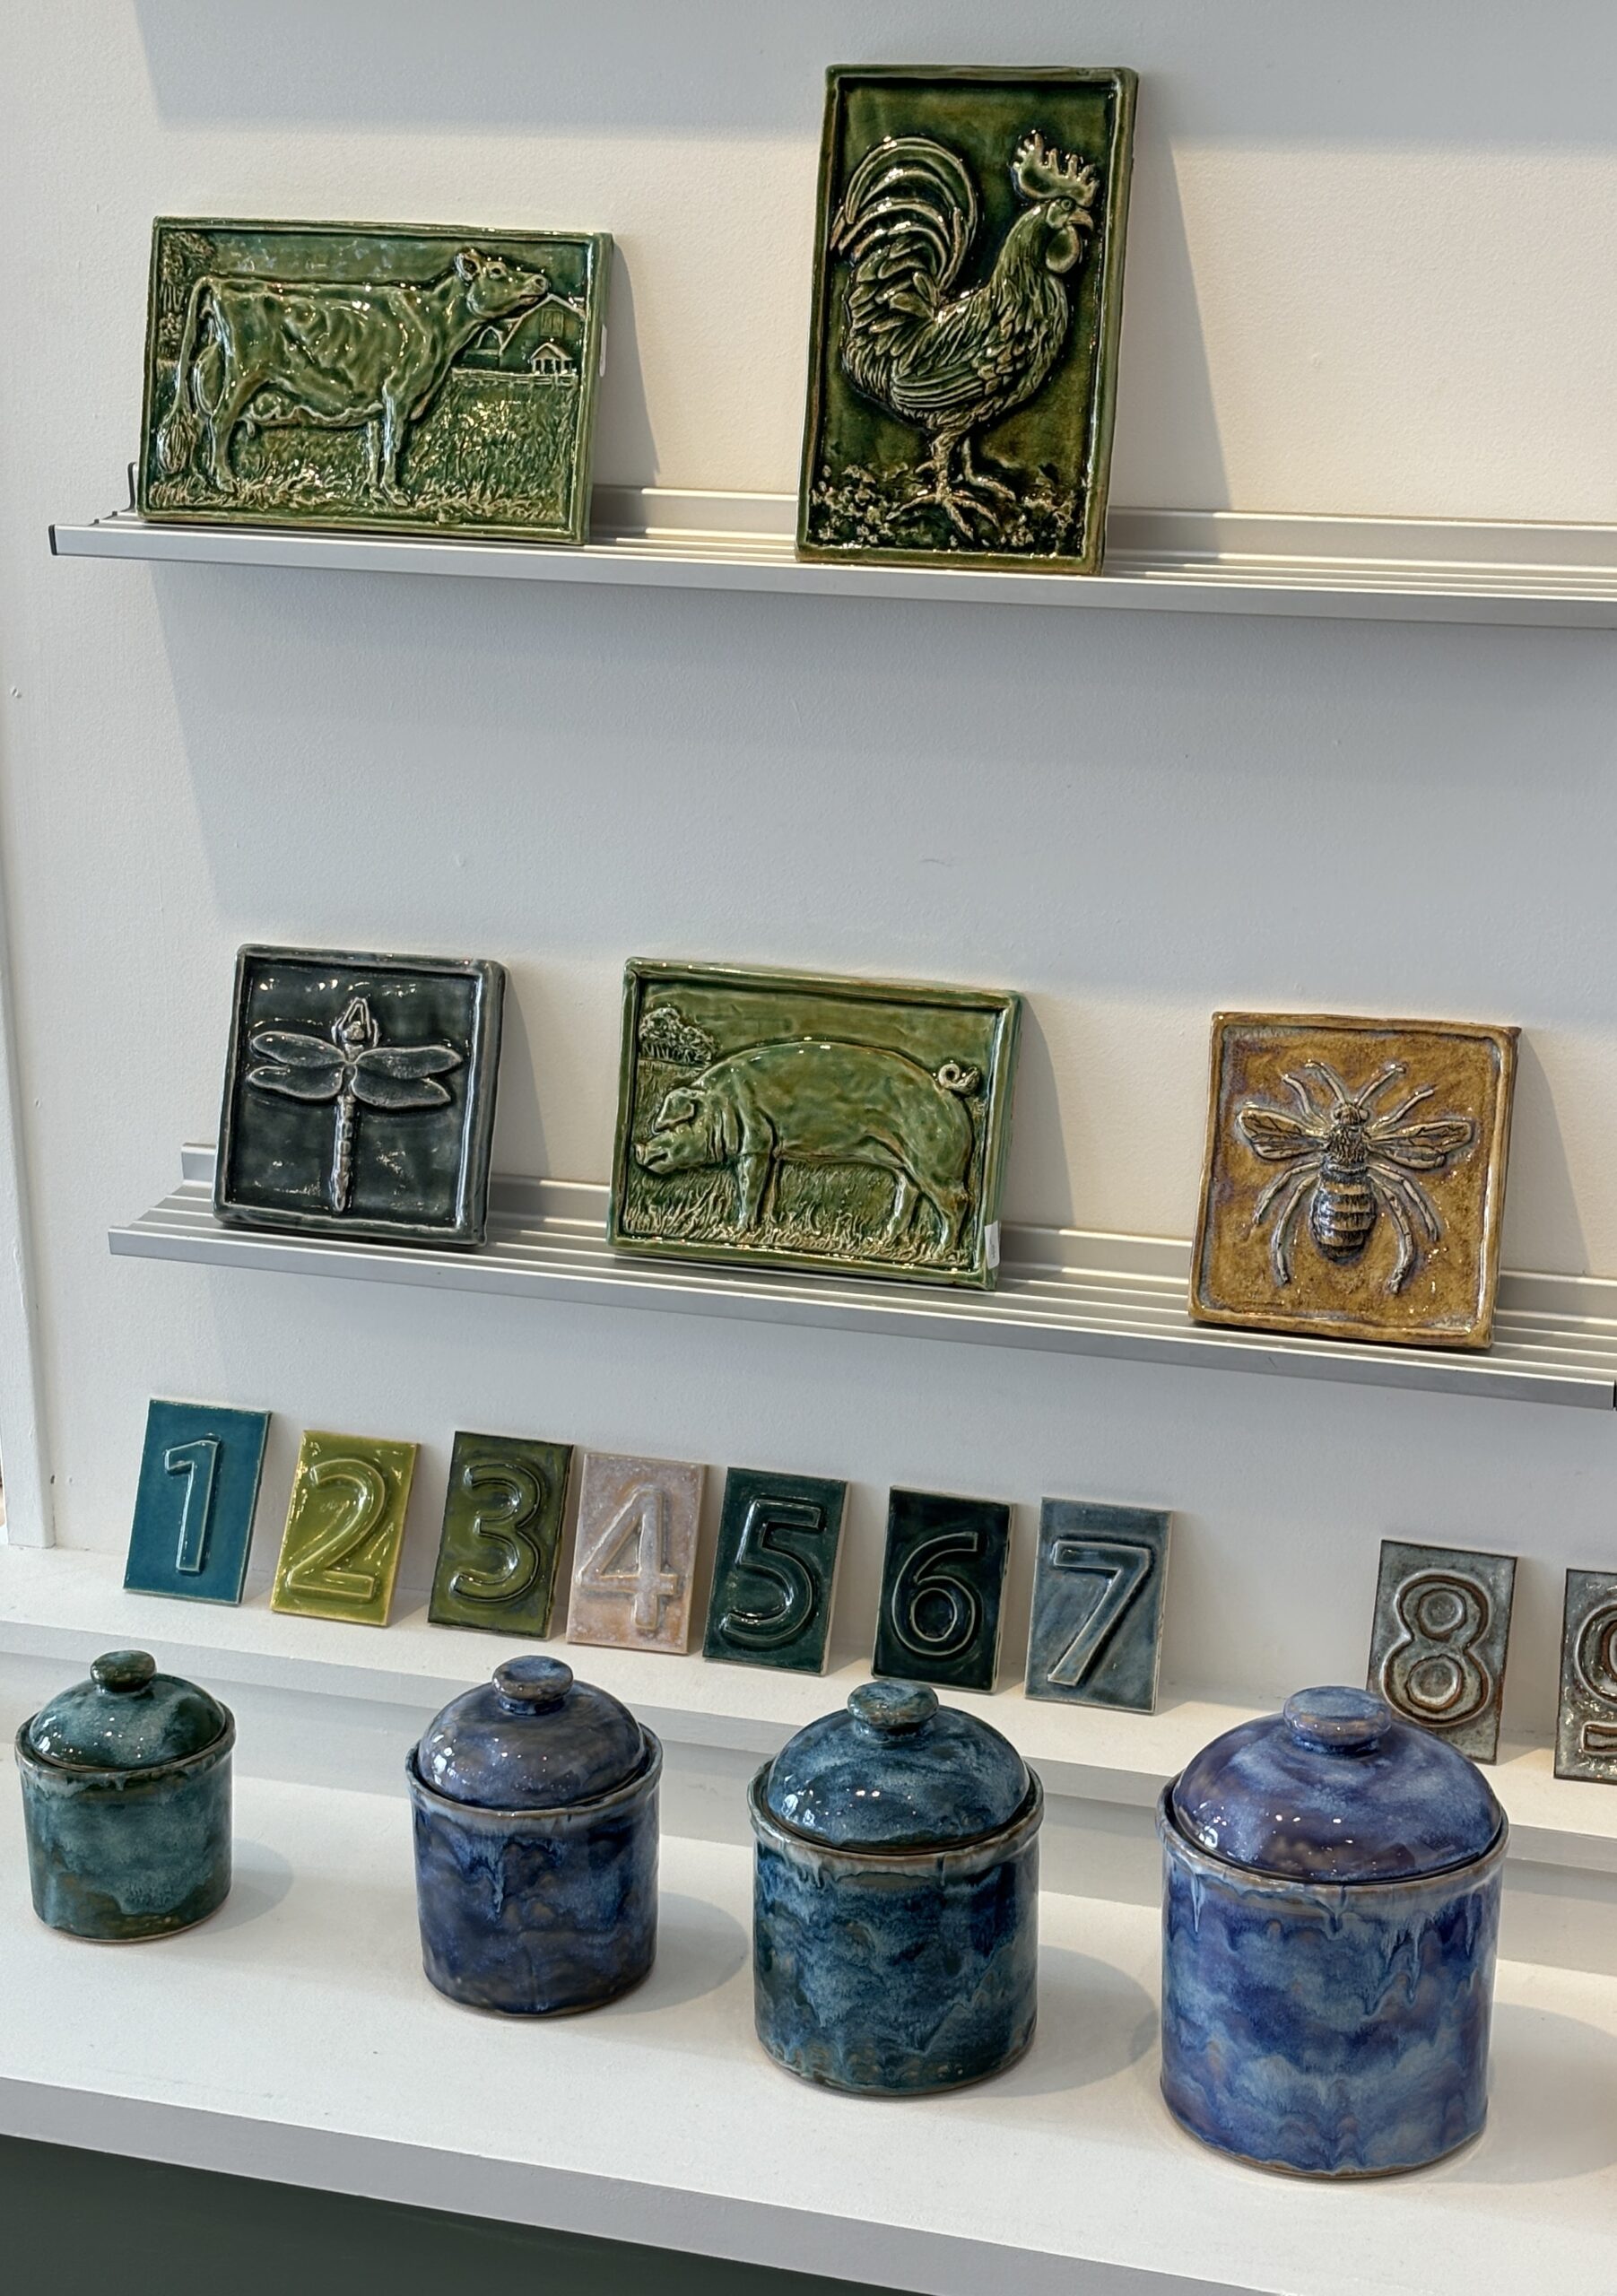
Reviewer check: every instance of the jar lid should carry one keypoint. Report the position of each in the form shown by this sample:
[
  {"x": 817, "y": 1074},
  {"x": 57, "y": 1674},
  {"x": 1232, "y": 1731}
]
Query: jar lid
[
  {"x": 896, "y": 1770},
  {"x": 1335, "y": 1789},
  {"x": 127, "y": 1716},
  {"x": 532, "y": 1739}
]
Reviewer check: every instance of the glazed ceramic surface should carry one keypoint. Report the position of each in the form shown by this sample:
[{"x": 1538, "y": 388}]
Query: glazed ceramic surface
[
  {"x": 194, "y": 1502},
  {"x": 792, "y": 1120},
  {"x": 779, "y": 1537},
  {"x": 359, "y": 1095},
  {"x": 1096, "y": 1633},
  {"x": 501, "y": 1535},
  {"x": 634, "y": 1551},
  {"x": 1585, "y": 1733},
  {"x": 344, "y": 1527},
  {"x": 535, "y": 1803},
  {"x": 968, "y": 288},
  {"x": 942, "y": 1579},
  {"x": 127, "y": 1803},
  {"x": 1439, "y": 1639},
  {"x": 415, "y": 379},
  {"x": 1354, "y": 1181},
  {"x": 1330, "y": 1902},
  {"x": 896, "y": 1897}
]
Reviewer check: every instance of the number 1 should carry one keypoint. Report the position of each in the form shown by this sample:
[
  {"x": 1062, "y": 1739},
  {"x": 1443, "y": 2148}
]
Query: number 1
[{"x": 197, "y": 1462}]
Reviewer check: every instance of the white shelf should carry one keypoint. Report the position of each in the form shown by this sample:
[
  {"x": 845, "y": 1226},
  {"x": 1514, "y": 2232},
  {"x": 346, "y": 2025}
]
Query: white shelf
[
  {"x": 1179, "y": 561},
  {"x": 69, "y": 1605},
  {"x": 1061, "y": 1290},
  {"x": 660, "y": 2120}
]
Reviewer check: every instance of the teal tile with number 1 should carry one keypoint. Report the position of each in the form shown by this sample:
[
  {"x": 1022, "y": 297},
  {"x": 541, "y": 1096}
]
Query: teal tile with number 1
[
  {"x": 195, "y": 1501},
  {"x": 778, "y": 1538}
]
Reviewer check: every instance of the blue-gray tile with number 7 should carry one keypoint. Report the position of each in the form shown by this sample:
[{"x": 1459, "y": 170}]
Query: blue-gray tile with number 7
[
  {"x": 778, "y": 1536},
  {"x": 195, "y": 1501},
  {"x": 1096, "y": 1635},
  {"x": 940, "y": 1583}
]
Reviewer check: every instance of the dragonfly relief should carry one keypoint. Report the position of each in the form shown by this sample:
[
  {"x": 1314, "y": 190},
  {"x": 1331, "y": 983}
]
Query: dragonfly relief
[{"x": 356, "y": 1070}]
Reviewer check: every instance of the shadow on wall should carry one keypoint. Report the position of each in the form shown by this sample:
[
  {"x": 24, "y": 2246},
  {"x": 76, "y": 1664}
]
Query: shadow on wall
[{"x": 1227, "y": 72}]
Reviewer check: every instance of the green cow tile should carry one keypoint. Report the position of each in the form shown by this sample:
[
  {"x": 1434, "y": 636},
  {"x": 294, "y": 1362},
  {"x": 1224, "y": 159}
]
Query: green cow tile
[
  {"x": 344, "y": 1528},
  {"x": 501, "y": 1535},
  {"x": 778, "y": 1539},
  {"x": 941, "y": 1584},
  {"x": 359, "y": 1095},
  {"x": 794, "y": 1120},
  {"x": 967, "y": 294},
  {"x": 419, "y": 379}
]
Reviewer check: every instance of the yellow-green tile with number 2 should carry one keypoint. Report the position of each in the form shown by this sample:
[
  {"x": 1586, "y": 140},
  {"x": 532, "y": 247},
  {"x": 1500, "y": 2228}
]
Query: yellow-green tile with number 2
[{"x": 344, "y": 1527}]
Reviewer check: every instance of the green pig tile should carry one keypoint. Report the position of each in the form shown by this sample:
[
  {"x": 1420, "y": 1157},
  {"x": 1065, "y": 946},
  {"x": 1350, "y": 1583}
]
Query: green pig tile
[
  {"x": 968, "y": 295},
  {"x": 501, "y": 1535},
  {"x": 797, "y": 1120},
  {"x": 1096, "y": 1636},
  {"x": 344, "y": 1528},
  {"x": 941, "y": 1584},
  {"x": 779, "y": 1537},
  {"x": 423, "y": 379},
  {"x": 359, "y": 1095}
]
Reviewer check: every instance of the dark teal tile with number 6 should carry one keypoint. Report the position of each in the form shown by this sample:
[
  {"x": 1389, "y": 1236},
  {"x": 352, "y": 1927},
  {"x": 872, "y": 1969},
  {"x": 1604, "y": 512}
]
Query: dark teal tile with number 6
[
  {"x": 195, "y": 1501},
  {"x": 1097, "y": 1630},
  {"x": 502, "y": 1533},
  {"x": 941, "y": 1584},
  {"x": 778, "y": 1536}
]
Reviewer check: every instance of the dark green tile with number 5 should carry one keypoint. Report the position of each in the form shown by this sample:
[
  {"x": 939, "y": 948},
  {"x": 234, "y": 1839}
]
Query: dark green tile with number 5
[
  {"x": 778, "y": 1537},
  {"x": 941, "y": 1582},
  {"x": 502, "y": 1533}
]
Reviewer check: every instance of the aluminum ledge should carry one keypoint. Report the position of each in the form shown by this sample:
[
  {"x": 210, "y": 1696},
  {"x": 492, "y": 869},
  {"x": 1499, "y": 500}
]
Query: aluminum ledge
[
  {"x": 1181, "y": 561},
  {"x": 1062, "y": 1290}
]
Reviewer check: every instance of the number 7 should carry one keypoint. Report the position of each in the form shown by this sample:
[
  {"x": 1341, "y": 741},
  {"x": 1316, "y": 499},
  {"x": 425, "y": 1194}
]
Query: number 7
[{"x": 1124, "y": 1565}]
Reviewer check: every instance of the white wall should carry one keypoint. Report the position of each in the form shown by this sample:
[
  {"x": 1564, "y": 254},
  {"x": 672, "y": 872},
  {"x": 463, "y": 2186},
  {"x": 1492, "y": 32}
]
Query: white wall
[{"x": 1370, "y": 271}]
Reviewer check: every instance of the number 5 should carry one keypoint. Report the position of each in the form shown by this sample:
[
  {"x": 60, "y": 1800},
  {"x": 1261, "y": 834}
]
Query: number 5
[{"x": 767, "y": 1523}]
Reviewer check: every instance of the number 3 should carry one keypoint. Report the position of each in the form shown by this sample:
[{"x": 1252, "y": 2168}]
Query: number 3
[{"x": 504, "y": 1526}]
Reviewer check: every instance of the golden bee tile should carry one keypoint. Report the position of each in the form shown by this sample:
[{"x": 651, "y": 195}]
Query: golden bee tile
[{"x": 1354, "y": 1180}]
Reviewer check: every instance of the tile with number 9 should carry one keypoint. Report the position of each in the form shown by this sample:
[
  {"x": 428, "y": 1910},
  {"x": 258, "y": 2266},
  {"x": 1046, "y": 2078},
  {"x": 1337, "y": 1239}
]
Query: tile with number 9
[
  {"x": 941, "y": 1584},
  {"x": 344, "y": 1528},
  {"x": 636, "y": 1554},
  {"x": 1439, "y": 1640},
  {"x": 195, "y": 1501},
  {"x": 778, "y": 1538},
  {"x": 1096, "y": 1635},
  {"x": 501, "y": 1535},
  {"x": 1586, "y": 1724}
]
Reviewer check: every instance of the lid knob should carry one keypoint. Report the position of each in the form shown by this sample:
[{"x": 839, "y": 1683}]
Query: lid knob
[
  {"x": 892, "y": 1709},
  {"x": 124, "y": 1670},
  {"x": 1333, "y": 1721},
  {"x": 532, "y": 1685}
]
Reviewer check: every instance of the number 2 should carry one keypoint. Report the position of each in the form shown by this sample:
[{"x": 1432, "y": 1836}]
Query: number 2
[
  {"x": 320, "y": 1570},
  {"x": 767, "y": 1524},
  {"x": 198, "y": 1463},
  {"x": 1124, "y": 1566},
  {"x": 638, "y": 1528},
  {"x": 505, "y": 1528}
]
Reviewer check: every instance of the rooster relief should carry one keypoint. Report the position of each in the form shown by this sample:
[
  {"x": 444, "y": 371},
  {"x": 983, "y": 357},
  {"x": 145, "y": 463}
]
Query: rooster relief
[{"x": 950, "y": 364}]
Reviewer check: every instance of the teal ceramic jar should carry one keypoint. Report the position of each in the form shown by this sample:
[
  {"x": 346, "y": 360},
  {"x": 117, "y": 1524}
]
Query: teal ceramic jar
[
  {"x": 895, "y": 1920},
  {"x": 127, "y": 1803}
]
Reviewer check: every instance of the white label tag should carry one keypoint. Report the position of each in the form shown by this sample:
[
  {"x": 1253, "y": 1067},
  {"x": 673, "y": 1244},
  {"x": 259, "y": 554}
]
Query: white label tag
[{"x": 991, "y": 1243}]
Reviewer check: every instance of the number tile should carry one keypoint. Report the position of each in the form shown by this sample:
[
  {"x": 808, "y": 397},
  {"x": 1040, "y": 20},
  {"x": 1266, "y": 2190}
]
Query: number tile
[
  {"x": 344, "y": 1528},
  {"x": 778, "y": 1539},
  {"x": 501, "y": 1535},
  {"x": 1586, "y": 1724},
  {"x": 1437, "y": 1643},
  {"x": 941, "y": 1586},
  {"x": 1099, "y": 1583},
  {"x": 636, "y": 1554},
  {"x": 195, "y": 1501}
]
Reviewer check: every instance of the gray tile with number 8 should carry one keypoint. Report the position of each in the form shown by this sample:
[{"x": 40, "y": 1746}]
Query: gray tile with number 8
[
  {"x": 1096, "y": 1636},
  {"x": 1438, "y": 1644},
  {"x": 1586, "y": 1724},
  {"x": 779, "y": 1539}
]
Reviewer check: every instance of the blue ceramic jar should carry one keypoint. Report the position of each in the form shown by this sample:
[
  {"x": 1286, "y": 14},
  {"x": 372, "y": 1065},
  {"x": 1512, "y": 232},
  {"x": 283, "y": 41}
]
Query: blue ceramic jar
[
  {"x": 896, "y": 1897},
  {"x": 535, "y": 1812},
  {"x": 1330, "y": 1916},
  {"x": 127, "y": 1803}
]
